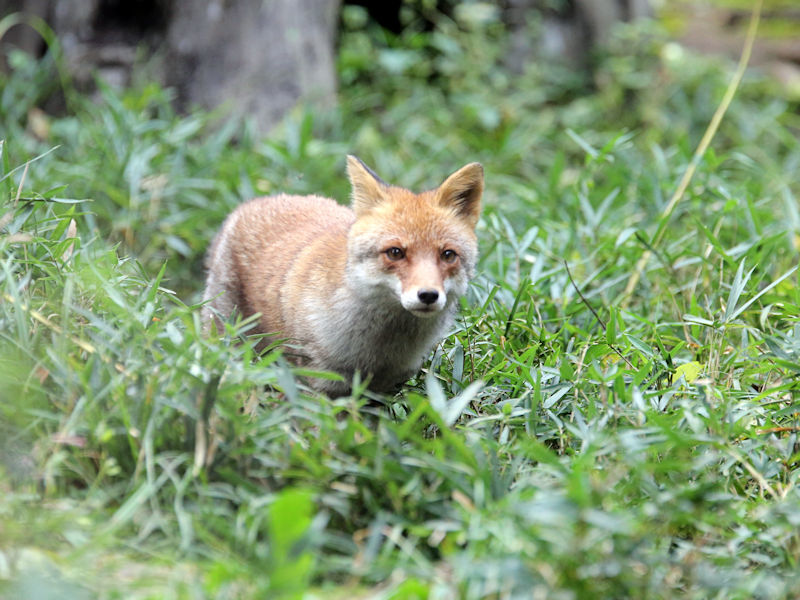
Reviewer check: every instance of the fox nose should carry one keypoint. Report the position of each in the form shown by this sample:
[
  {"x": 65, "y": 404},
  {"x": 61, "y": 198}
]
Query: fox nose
[{"x": 428, "y": 296}]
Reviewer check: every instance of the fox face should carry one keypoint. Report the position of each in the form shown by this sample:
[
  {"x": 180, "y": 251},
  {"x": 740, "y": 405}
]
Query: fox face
[{"x": 415, "y": 251}]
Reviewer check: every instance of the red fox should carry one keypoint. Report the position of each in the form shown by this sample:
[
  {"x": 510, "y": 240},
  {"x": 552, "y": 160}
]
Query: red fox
[{"x": 369, "y": 289}]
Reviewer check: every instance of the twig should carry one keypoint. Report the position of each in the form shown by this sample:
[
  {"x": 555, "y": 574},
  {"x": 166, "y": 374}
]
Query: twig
[
  {"x": 596, "y": 316},
  {"x": 752, "y": 470},
  {"x": 203, "y": 452},
  {"x": 21, "y": 183},
  {"x": 777, "y": 430},
  {"x": 711, "y": 130}
]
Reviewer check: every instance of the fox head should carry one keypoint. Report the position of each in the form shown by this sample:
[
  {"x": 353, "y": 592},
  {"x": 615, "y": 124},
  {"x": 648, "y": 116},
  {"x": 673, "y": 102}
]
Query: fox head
[{"x": 414, "y": 250}]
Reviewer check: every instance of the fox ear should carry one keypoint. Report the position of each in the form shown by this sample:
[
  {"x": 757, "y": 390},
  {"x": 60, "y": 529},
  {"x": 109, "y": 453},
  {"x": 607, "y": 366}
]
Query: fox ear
[
  {"x": 368, "y": 189},
  {"x": 462, "y": 191}
]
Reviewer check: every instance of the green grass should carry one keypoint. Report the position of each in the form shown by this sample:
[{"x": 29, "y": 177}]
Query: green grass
[{"x": 644, "y": 447}]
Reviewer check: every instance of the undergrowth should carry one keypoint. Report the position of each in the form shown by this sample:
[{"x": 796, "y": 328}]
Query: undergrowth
[{"x": 565, "y": 441}]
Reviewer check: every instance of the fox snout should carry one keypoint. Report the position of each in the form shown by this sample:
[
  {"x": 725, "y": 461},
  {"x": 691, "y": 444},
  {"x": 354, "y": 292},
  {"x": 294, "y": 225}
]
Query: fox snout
[
  {"x": 423, "y": 301},
  {"x": 428, "y": 296}
]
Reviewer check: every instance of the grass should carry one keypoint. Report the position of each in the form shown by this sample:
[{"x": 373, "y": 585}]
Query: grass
[{"x": 560, "y": 443}]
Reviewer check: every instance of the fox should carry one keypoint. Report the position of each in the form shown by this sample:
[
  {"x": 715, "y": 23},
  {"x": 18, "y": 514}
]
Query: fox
[{"x": 367, "y": 289}]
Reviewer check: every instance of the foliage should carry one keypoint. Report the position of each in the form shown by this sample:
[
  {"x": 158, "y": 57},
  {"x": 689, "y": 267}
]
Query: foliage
[{"x": 642, "y": 446}]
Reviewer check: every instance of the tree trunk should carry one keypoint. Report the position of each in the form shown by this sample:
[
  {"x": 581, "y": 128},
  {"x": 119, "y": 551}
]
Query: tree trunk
[{"x": 259, "y": 56}]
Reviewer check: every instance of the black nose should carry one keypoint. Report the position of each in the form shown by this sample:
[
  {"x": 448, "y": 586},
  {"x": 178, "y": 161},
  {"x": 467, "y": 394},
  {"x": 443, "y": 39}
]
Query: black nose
[{"x": 428, "y": 296}]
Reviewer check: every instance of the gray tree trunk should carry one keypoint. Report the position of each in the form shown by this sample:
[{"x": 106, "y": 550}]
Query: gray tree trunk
[{"x": 259, "y": 56}]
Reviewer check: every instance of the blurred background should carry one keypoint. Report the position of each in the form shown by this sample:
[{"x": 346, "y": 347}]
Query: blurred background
[{"x": 260, "y": 57}]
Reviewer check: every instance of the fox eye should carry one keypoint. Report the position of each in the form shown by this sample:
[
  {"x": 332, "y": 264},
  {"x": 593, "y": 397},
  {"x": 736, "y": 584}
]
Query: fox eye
[
  {"x": 395, "y": 253},
  {"x": 449, "y": 256}
]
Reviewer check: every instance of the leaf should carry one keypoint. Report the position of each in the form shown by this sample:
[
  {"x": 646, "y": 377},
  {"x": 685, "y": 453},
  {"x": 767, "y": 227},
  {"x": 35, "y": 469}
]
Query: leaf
[
  {"x": 640, "y": 345},
  {"x": 747, "y": 304},
  {"x": 737, "y": 287},
  {"x": 611, "y": 326},
  {"x": 460, "y": 402},
  {"x": 698, "y": 320},
  {"x": 690, "y": 371},
  {"x": 436, "y": 395},
  {"x": 291, "y": 561},
  {"x": 624, "y": 235},
  {"x": 586, "y": 146}
]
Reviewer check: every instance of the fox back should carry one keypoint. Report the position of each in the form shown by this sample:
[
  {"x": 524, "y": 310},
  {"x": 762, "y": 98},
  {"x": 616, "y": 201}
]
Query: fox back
[{"x": 369, "y": 288}]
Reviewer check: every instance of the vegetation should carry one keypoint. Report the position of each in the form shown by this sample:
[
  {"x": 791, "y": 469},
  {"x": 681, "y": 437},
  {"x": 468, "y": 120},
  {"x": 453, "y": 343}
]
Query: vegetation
[{"x": 568, "y": 440}]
